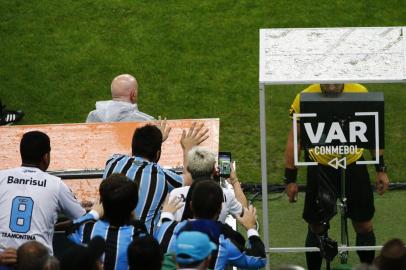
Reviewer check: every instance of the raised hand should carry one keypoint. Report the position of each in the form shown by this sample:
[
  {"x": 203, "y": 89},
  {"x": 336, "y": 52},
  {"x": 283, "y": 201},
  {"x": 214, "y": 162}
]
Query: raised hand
[
  {"x": 171, "y": 206},
  {"x": 249, "y": 218},
  {"x": 163, "y": 126},
  {"x": 195, "y": 136}
]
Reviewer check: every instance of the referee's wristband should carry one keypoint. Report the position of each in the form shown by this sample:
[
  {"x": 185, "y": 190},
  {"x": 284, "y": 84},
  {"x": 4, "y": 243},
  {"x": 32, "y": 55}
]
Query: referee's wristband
[
  {"x": 290, "y": 175},
  {"x": 380, "y": 167}
]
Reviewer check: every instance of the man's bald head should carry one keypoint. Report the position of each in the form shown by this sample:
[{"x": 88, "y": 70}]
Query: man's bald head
[{"x": 124, "y": 87}]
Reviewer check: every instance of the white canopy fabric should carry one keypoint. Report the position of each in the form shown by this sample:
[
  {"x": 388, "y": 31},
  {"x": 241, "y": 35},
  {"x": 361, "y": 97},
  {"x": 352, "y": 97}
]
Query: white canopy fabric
[{"x": 315, "y": 55}]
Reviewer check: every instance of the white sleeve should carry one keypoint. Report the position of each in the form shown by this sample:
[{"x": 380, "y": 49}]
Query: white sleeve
[
  {"x": 68, "y": 204},
  {"x": 234, "y": 207}
]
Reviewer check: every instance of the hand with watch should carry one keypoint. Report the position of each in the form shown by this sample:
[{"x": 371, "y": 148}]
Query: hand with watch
[{"x": 382, "y": 180}]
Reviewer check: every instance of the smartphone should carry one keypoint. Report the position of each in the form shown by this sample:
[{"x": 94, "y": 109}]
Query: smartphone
[{"x": 225, "y": 164}]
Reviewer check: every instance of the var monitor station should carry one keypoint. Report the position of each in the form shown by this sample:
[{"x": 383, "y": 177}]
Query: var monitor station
[{"x": 341, "y": 124}]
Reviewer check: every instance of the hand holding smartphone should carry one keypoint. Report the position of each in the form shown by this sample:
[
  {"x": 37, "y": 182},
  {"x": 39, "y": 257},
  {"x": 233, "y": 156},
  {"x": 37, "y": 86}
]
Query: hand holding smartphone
[{"x": 224, "y": 163}]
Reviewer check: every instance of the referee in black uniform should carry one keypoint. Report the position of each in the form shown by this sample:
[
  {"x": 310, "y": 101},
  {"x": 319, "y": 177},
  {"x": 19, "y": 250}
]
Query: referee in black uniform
[{"x": 360, "y": 200}]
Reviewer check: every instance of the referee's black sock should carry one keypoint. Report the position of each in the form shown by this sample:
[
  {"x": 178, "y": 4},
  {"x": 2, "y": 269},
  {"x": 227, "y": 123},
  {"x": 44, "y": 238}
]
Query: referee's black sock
[
  {"x": 313, "y": 259},
  {"x": 366, "y": 239}
]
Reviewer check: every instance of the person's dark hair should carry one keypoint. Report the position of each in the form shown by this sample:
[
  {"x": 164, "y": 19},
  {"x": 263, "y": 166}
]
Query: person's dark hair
[
  {"x": 207, "y": 197},
  {"x": 187, "y": 212},
  {"x": 80, "y": 257},
  {"x": 146, "y": 142},
  {"x": 52, "y": 264},
  {"x": 145, "y": 253},
  {"x": 33, "y": 146},
  {"x": 392, "y": 256},
  {"x": 119, "y": 197},
  {"x": 32, "y": 255}
]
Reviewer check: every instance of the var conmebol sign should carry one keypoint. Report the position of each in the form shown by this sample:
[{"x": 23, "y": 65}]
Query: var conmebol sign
[{"x": 339, "y": 126}]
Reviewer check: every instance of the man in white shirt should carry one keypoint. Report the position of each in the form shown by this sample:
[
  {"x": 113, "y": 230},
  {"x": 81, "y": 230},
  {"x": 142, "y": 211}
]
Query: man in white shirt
[
  {"x": 123, "y": 106},
  {"x": 30, "y": 198},
  {"x": 202, "y": 166}
]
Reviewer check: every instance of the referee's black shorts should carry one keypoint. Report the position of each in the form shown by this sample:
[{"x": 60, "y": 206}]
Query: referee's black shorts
[{"x": 358, "y": 190}]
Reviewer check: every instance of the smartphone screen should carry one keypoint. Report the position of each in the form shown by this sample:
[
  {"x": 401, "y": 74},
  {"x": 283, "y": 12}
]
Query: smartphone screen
[{"x": 225, "y": 164}]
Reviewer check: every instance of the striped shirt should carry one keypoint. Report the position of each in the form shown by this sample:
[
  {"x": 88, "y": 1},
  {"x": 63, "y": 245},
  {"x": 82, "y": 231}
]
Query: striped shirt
[
  {"x": 154, "y": 184},
  {"x": 117, "y": 238},
  {"x": 231, "y": 244}
]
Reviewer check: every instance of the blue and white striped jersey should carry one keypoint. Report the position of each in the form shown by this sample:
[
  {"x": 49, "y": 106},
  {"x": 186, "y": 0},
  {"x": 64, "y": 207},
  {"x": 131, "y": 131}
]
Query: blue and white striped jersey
[
  {"x": 117, "y": 238},
  {"x": 231, "y": 244},
  {"x": 154, "y": 184}
]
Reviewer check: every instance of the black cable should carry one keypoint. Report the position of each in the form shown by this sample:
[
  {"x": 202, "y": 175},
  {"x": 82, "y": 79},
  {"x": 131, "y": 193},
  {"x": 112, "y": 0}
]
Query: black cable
[{"x": 279, "y": 188}]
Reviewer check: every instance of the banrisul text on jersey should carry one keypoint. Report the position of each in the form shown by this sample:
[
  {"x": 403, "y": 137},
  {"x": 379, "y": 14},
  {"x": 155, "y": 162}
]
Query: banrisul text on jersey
[{"x": 31, "y": 182}]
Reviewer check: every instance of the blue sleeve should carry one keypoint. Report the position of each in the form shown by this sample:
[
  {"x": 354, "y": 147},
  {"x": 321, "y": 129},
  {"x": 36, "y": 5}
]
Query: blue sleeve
[
  {"x": 159, "y": 232},
  {"x": 246, "y": 258},
  {"x": 164, "y": 234},
  {"x": 86, "y": 217},
  {"x": 75, "y": 234},
  {"x": 173, "y": 179},
  {"x": 109, "y": 163}
]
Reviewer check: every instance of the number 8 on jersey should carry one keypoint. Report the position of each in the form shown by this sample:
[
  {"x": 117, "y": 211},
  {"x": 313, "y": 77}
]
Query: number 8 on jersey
[{"x": 21, "y": 211}]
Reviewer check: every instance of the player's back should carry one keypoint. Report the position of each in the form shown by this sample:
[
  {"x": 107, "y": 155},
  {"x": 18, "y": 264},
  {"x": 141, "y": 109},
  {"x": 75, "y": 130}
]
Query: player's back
[
  {"x": 30, "y": 200},
  {"x": 154, "y": 184}
]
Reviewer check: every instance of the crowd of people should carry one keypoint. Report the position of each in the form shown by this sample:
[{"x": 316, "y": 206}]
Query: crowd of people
[
  {"x": 147, "y": 217},
  {"x": 133, "y": 225}
]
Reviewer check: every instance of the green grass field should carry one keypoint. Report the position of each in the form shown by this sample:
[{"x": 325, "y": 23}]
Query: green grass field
[
  {"x": 288, "y": 229},
  {"x": 192, "y": 59}
]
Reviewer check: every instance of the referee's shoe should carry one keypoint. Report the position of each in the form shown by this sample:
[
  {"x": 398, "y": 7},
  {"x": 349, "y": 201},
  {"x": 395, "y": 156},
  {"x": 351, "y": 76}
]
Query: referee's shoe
[{"x": 8, "y": 117}]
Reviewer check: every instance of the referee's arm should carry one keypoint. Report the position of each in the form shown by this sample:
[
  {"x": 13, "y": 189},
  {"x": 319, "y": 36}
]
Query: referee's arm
[
  {"x": 290, "y": 169},
  {"x": 289, "y": 149},
  {"x": 382, "y": 179}
]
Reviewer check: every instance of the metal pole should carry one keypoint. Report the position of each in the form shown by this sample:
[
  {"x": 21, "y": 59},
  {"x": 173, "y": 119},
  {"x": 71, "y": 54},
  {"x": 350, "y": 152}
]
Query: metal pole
[
  {"x": 89, "y": 173},
  {"x": 264, "y": 176},
  {"x": 344, "y": 232},
  {"x": 78, "y": 174},
  {"x": 316, "y": 249},
  {"x": 343, "y": 210}
]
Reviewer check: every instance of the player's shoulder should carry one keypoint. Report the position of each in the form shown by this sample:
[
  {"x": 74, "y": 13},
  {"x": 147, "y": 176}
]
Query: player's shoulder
[
  {"x": 52, "y": 178},
  {"x": 20, "y": 170},
  {"x": 295, "y": 107},
  {"x": 355, "y": 87},
  {"x": 29, "y": 172},
  {"x": 168, "y": 172},
  {"x": 9, "y": 171},
  {"x": 117, "y": 156}
]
